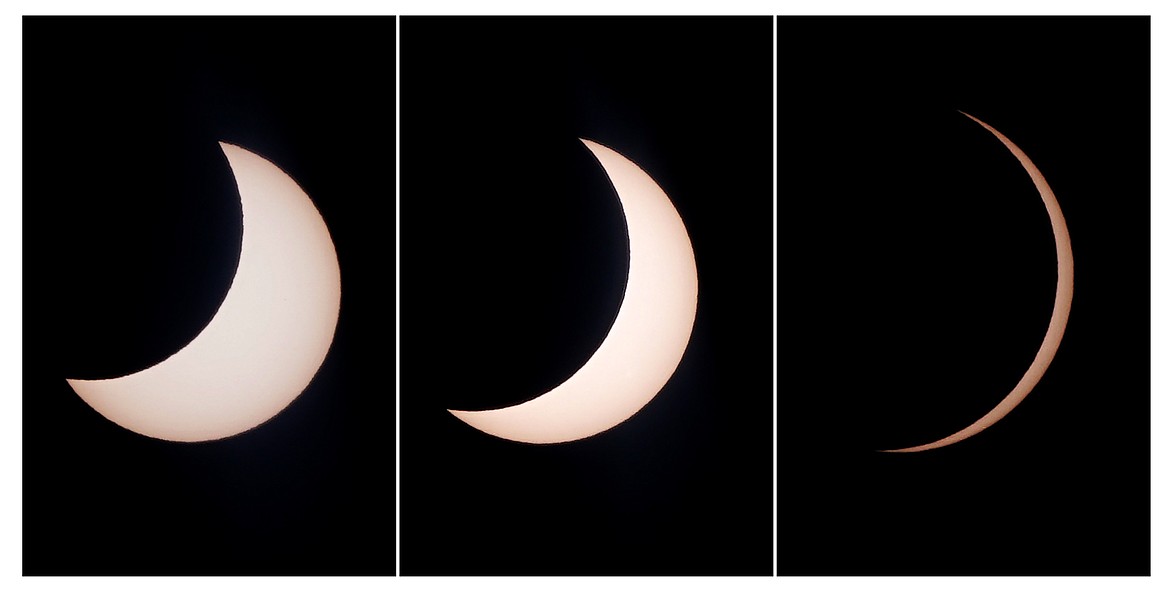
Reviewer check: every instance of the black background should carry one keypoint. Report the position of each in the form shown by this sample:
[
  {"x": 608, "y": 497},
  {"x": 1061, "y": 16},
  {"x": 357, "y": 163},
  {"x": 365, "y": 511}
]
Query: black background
[
  {"x": 514, "y": 258},
  {"x": 131, "y": 237},
  {"x": 916, "y": 278}
]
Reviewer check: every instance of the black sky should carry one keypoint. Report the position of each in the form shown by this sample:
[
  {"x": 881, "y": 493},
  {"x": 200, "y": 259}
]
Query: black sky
[
  {"x": 131, "y": 237},
  {"x": 513, "y": 266},
  {"x": 916, "y": 281}
]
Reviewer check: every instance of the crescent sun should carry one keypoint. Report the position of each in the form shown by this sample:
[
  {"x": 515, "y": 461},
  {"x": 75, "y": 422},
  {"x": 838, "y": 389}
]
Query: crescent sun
[
  {"x": 266, "y": 341},
  {"x": 1060, "y": 310},
  {"x": 649, "y": 334}
]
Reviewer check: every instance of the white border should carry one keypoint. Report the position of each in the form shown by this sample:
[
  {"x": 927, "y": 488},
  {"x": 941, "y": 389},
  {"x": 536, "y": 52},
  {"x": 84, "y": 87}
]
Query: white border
[
  {"x": 588, "y": 7},
  {"x": 11, "y": 244}
]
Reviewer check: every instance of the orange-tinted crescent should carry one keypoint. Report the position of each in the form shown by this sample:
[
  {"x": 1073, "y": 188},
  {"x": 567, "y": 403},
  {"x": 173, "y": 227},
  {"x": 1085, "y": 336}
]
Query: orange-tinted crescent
[{"x": 1060, "y": 309}]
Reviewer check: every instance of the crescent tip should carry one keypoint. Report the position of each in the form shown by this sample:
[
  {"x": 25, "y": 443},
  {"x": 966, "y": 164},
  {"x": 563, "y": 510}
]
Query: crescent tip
[
  {"x": 228, "y": 149},
  {"x": 987, "y": 126},
  {"x": 981, "y": 123}
]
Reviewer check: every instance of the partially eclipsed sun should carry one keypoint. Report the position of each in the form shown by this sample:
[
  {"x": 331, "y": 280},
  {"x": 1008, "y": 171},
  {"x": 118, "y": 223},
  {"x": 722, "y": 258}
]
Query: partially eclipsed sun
[
  {"x": 649, "y": 334},
  {"x": 266, "y": 341},
  {"x": 1060, "y": 309}
]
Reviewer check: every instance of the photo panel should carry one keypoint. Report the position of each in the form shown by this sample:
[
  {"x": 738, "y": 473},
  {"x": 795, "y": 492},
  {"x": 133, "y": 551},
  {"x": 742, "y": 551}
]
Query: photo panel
[
  {"x": 586, "y": 279},
  {"x": 229, "y": 305},
  {"x": 950, "y": 402}
]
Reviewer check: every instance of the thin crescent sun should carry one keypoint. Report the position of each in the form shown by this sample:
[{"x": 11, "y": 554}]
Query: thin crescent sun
[{"x": 1060, "y": 310}]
